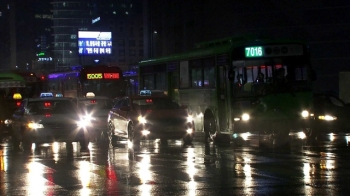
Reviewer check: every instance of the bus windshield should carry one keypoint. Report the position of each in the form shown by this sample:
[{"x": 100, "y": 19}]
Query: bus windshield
[
  {"x": 101, "y": 80},
  {"x": 108, "y": 88},
  {"x": 258, "y": 77}
]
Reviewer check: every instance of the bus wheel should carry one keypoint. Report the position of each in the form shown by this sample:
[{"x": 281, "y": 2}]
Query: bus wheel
[{"x": 209, "y": 128}]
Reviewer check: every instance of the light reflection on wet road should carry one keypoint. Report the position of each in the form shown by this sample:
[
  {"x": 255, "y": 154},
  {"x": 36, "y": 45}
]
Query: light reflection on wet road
[{"x": 174, "y": 169}]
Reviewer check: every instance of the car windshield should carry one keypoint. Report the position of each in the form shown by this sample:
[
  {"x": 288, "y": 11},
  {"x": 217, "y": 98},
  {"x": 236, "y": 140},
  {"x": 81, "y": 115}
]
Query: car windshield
[
  {"x": 51, "y": 106},
  {"x": 155, "y": 104}
]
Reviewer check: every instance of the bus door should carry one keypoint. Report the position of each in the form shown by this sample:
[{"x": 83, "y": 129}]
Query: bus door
[{"x": 222, "y": 99}]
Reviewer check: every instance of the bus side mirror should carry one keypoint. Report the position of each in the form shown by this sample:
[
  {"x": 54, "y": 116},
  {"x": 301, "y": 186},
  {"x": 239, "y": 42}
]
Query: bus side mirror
[{"x": 231, "y": 74}]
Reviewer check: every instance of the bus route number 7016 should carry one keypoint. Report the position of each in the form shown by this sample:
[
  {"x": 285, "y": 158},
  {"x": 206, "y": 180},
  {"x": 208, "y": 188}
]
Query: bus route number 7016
[{"x": 255, "y": 51}]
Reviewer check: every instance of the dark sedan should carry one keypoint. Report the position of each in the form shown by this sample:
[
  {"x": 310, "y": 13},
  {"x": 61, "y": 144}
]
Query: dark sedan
[
  {"x": 331, "y": 115},
  {"x": 46, "y": 120},
  {"x": 149, "y": 117}
]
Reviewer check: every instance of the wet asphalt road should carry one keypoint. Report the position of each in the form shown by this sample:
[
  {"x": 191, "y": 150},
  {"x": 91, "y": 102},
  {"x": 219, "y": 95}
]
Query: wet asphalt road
[{"x": 154, "y": 169}]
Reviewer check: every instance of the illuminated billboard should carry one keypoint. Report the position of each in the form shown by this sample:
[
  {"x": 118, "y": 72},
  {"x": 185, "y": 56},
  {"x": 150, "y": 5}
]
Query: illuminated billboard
[{"x": 94, "y": 43}]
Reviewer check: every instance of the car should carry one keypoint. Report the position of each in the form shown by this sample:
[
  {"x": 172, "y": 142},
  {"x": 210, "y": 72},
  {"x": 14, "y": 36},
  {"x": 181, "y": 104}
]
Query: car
[
  {"x": 331, "y": 115},
  {"x": 138, "y": 117},
  {"x": 49, "y": 119},
  {"x": 97, "y": 109}
]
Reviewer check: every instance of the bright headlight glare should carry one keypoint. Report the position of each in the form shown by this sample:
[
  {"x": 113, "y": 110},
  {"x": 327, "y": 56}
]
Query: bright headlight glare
[
  {"x": 83, "y": 122},
  {"x": 189, "y": 131},
  {"x": 142, "y": 119},
  {"x": 8, "y": 121},
  {"x": 145, "y": 132},
  {"x": 327, "y": 118},
  {"x": 237, "y": 119},
  {"x": 189, "y": 118},
  {"x": 245, "y": 136},
  {"x": 304, "y": 113},
  {"x": 88, "y": 118},
  {"x": 33, "y": 125},
  {"x": 245, "y": 117}
]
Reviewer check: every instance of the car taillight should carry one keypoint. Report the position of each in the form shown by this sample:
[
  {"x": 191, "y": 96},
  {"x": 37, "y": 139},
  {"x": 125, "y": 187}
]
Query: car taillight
[{"x": 47, "y": 115}]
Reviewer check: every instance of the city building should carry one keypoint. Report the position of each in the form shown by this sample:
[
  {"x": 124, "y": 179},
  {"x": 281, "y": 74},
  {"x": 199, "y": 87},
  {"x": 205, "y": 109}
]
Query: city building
[
  {"x": 17, "y": 34},
  {"x": 44, "y": 58},
  {"x": 69, "y": 17},
  {"x": 122, "y": 18}
]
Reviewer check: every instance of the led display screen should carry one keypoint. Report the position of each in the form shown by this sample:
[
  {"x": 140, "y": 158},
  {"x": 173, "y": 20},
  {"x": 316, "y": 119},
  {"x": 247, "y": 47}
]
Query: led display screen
[
  {"x": 94, "y": 43},
  {"x": 111, "y": 75},
  {"x": 93, "y": 76},
  {"x": 274, "y": 50},
  {"x": 255, "y": 51},
  {"x": 97, "y": 76}
]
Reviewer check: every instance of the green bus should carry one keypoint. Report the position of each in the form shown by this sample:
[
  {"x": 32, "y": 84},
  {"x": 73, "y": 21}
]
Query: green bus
[
  {"x": 238, "y": 88},
  {"x": 12, "y": 87}
]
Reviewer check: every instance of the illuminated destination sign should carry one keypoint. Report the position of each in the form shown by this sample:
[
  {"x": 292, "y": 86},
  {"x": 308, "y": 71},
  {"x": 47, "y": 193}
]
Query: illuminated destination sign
[
  {"x": 111, "y": 75},
  {"x": 94, "y": 43},
  {"x": 94, "y": 76},
  {"x": 274, "y": 50},
  {"x": 254, "y": 51},
  {"x": 97, "y": 76}
]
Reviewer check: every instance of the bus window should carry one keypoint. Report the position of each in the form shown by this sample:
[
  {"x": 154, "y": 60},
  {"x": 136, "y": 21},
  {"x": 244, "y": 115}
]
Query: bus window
[
  {"x": 239, "y": 81},
  {"x": 249, "y": 79},
  {"x": 269, "y": 74},
  {"x": 209, "y": 77},
  {"x": 196, "y": 77},
  {"x": 148, "y": 81},
  {"x": 300, "y": 73},
  {"x": 161, "y": 82}
]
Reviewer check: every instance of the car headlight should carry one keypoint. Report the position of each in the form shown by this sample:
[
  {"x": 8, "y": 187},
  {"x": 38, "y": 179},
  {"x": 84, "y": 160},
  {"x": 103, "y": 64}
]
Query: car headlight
[
  {"x": 245, "y": 117},
  {"x": 142, "y": 119},
  {"x": 85, "y": 121},
  {"x": 88, "y": 118},
  {"x": 327, "y": 118},
  {"x": 189, "y": 118},
  {"x": 33, "y": 125},
  {"x": 305, "y": 113},
  {"x": 8, "y": 121}
]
